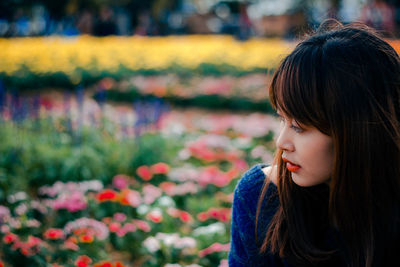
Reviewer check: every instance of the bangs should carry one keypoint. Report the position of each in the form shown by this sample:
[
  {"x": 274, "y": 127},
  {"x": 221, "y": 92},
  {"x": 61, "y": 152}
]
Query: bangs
[{"x": 297, "y": 91}]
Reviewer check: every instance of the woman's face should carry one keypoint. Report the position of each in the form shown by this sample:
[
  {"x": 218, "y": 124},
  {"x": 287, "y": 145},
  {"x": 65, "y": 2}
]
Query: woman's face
[{"x": 307, "y": 153}]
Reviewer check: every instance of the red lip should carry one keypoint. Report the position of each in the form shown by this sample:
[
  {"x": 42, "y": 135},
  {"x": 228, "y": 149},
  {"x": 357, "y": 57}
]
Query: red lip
[{"x": 290, "y": 165}]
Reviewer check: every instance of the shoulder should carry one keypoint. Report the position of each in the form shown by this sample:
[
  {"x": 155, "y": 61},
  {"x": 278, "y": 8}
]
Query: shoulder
[
  {"x": 248, "y": 188},
  {"x": 251, "y": 181},
  {"x": 271, "y": 173},
  {"x": 256, "y": 176}
]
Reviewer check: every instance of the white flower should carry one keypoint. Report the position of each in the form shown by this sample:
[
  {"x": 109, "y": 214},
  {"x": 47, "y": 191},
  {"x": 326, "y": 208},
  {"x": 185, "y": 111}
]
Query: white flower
[
  {"x": 151, "y": 244},
  {"x": 214, "y": 228},
  {"x": 143, "y": 209},
  {"x": 185, "y": 242},
  {"x": 168, "y": 239},
  {"x": 166, "y": 201},
  {"x": 21, "y": 209},
  {"x": 172, "y": 265},
  {"x": 17, "y": 197}
]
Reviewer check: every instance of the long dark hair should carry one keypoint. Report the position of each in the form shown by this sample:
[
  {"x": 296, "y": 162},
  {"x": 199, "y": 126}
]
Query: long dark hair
[{"x": 344, "y": 81}]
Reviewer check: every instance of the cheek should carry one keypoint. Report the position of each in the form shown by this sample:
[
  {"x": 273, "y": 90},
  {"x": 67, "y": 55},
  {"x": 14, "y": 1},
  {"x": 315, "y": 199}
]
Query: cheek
[{"x": 323, "y": 161}]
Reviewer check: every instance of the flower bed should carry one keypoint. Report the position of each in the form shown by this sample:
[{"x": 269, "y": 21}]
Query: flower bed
[
  {"x": 77, "y": 192},
  {"x": 66, "y": 62}
]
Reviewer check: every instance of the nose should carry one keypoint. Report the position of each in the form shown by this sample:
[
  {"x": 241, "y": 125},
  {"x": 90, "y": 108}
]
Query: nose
[{"x": 284, "y": 140}]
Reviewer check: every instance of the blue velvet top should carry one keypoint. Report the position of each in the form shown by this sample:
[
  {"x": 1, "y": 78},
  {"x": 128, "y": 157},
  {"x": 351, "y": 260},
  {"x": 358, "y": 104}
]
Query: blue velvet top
[
  {"x": 244, "y": 246},
  {"x": 244, "y": 249}
]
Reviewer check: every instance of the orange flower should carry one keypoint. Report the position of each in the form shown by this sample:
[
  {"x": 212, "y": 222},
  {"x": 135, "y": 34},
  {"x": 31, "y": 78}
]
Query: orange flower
[
  {"x": 160, "y": 168},
  {"x": 144, "y": 172},
  {"x": 86, "y": 238},
  {"x": 107, "y": 195},
  {"x": 83, "y": 261},
  {"x": 53, "y": 233}
]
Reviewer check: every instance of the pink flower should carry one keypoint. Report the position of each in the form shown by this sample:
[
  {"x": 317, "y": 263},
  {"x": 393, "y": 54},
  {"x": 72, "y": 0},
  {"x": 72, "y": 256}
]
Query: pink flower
[
  {"x": 155, "y": 216},
  {"x": 216, "y": 247},
  {"x": 120, "y": 181},
  {"x": 142, "y": 225},
  {"x": 223, "y": 263},
  {"x": 185, "y": 217},
  {"x": 119, "y": 216},
  {"x": 160, "y": 168},
  {"x": 114, "y": 227},
  {"x": 131, "y": 197},
  {"x": 144, "y": 172},
  {"x": 129, "y": 227},
  {"x": 151, "y": 193},
  {"x": 72, "y": 202},
  {"x": 70, "y": 244},
  {"x": 168, "y": 187}
]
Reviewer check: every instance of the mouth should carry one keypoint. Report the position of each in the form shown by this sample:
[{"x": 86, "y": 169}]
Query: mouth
[{"x": 290, "y": 165}]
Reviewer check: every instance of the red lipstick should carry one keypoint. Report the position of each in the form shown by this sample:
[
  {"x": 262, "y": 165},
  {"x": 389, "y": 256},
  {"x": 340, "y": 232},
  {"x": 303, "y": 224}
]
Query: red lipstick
[{"x": 290, "y": 165}]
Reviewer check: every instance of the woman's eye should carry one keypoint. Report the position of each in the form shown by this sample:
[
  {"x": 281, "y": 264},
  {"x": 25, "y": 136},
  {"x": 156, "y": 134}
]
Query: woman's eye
[{"x": 297, "y": 129}]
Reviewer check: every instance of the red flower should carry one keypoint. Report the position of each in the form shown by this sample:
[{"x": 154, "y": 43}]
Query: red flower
[
  {"x": 53, "y": 233},
  {"x": 144, "y": 172},
  {"x": 104, "y": 264},
  {"x": 25, "y": 251},
  {"x": 160, "y": 168},
  {"x": 83, "y": 261},
  {"x": 10, "y": 238},
  {"x": 107, "y": 195},
  {"x": 1, "y": 264}
]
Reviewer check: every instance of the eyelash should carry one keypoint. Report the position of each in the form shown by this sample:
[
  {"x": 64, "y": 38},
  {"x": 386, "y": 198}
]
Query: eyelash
[{"x": 295, "y": 128}]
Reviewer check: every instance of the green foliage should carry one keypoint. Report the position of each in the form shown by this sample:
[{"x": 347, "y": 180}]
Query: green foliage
[{"x": 31, "y": 158}]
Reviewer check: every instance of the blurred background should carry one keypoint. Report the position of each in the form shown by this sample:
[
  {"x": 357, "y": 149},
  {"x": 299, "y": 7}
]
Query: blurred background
[
  {"x": 241, "y": 18},
  {"x": 125, "y": 125}
]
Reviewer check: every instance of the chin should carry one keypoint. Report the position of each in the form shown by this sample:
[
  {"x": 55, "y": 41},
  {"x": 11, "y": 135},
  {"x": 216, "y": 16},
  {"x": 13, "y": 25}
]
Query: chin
[
  {"x": 301, "y": 181},
  {"x": 304, "y": 182}
]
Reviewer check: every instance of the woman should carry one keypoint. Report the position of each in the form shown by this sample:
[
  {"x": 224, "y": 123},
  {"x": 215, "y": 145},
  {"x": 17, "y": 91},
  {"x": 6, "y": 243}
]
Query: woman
[{"x": 332, "y": 196}]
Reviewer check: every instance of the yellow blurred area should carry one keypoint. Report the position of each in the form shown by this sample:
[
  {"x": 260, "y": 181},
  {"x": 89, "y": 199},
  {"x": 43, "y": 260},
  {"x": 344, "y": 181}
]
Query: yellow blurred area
[{"x": 47, "y": 55}]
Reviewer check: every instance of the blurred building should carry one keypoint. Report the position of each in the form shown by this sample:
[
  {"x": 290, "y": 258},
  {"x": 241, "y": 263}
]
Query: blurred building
[{"x": 241, "y": 18}]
